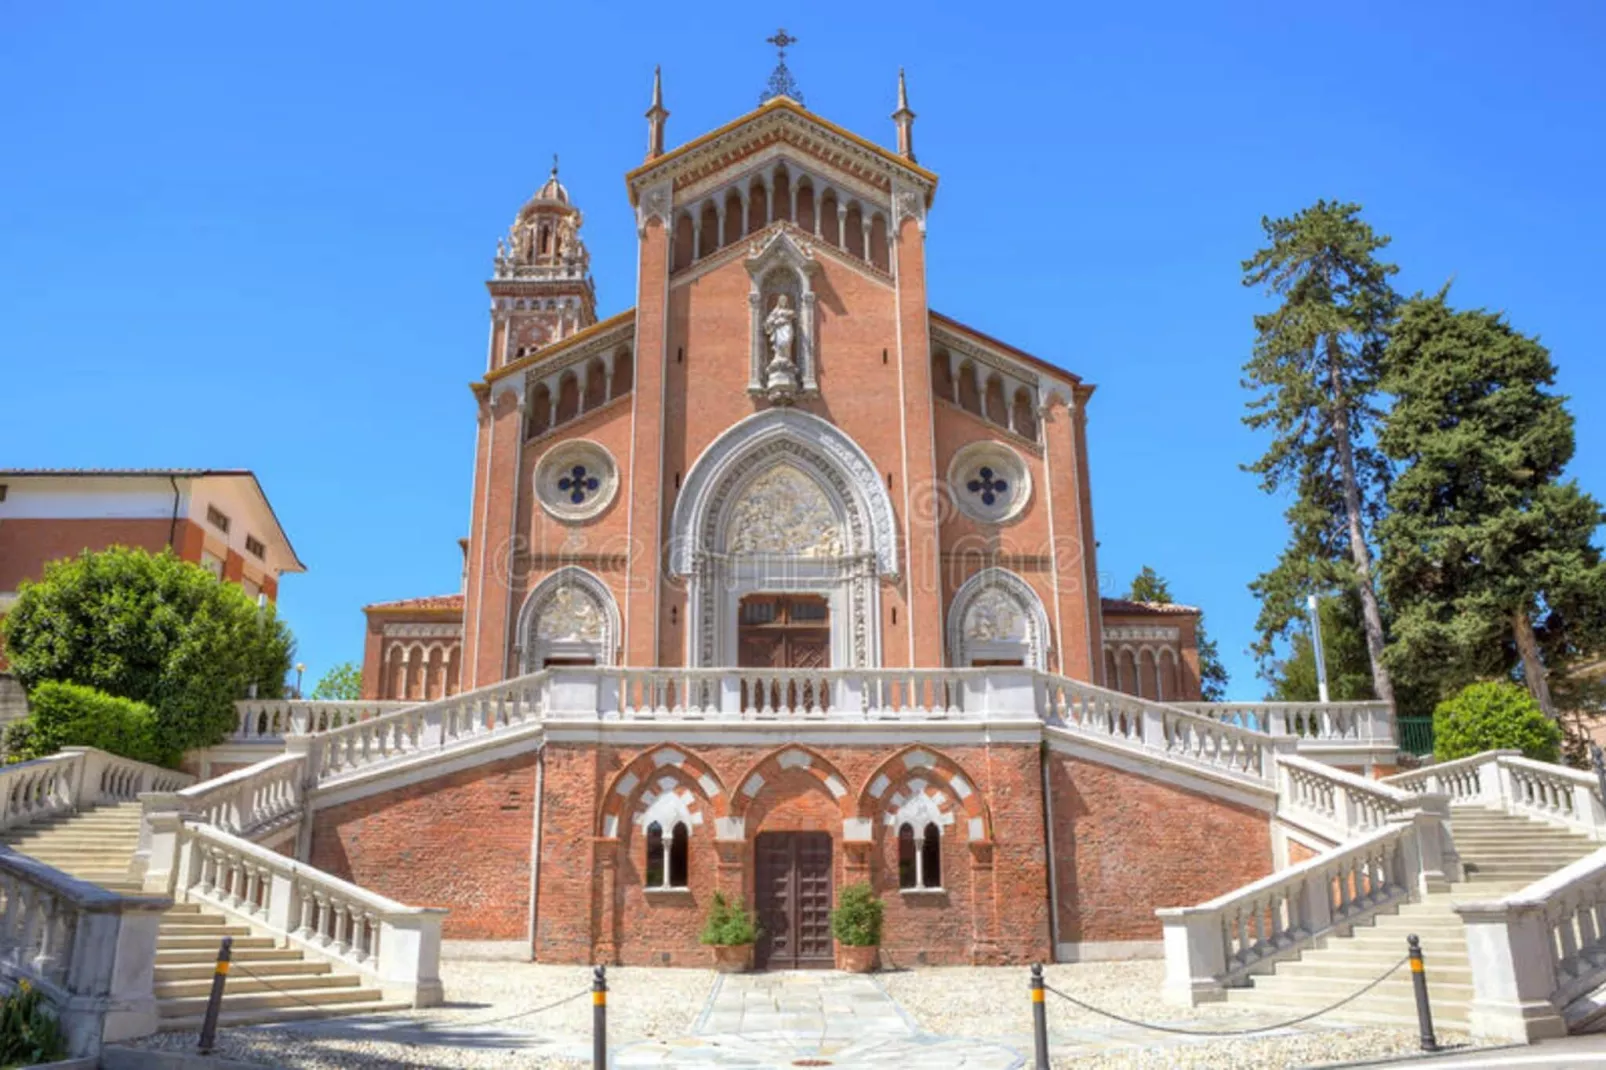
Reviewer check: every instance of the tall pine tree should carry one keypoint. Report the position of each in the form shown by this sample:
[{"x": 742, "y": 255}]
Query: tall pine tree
[
  {"x": 1488, "y": 560},
  {"x": 1315, "y": 369},
  {"x": 1149, "y": 586}
]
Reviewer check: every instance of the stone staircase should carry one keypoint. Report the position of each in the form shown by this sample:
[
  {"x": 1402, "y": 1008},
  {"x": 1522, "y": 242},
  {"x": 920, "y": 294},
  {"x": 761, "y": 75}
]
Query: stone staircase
[
  {"x": 268, "y": 983},
  {"x": 1502, "y": 854}
]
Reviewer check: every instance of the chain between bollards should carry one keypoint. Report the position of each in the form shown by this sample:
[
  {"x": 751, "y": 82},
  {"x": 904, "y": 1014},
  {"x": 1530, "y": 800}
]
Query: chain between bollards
[
  {"x": 214, "y": 1001},
  {"x": 1419, "y": 982},
  {"x": 599, "y": 1018},
  {"x": 1039, "y": 1017}
]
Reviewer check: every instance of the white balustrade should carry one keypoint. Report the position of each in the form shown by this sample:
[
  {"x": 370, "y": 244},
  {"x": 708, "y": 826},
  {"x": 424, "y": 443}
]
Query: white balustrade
[
  {"x": 1338, "y": 804},
  {"x": 1321, "y": 721},
  {"x": 1506, "y": 780},
  {"x": 248, "y": 800},
  {"x": 424, "y": 727},
  {"x": 394, "y": 946},
  {"x": 782, "y": 694},
  {"x": 1220, "y": 944},
  {"x": 86, "y": 949},
  {"x": 1157, "y": 727},
  {"x": 1539, "y": 955},
  {"x": 74, "y": 778},
  {"x": 270, "y": 720}
]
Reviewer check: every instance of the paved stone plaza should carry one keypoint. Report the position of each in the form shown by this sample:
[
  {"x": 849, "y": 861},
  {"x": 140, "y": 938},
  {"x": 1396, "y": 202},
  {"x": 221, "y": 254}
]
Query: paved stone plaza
[{"x": 696, "y": 1020}]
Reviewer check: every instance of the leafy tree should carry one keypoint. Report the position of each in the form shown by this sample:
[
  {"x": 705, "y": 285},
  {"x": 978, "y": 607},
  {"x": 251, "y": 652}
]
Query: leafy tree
[
  {"x": 343, "y": 683},
  {"x": 1149, "y": 586},
  {"x": 1487, "y": 557},
  {"x": 1492, "y": 716},
  {"x": 1349, "y": 670},
  {"x": 151, "y": 628},
  {"x": 1315, "y": 369}
]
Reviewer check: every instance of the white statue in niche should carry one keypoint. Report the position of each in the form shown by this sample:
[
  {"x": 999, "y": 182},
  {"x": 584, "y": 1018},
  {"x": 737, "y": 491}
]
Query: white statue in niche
[{"x": 781, "y": 373}]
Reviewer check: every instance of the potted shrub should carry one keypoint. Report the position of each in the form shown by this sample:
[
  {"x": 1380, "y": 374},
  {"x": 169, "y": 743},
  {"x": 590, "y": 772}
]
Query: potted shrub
[
  {"x": 730, "y": 931},
  {"x": 856, "y": 924}
]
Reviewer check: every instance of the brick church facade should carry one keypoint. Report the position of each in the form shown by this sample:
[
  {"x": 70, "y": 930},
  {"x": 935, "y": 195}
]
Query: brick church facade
[{"x": 792, "y": 556}]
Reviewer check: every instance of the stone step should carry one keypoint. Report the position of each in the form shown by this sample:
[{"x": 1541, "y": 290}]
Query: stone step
[
  {"x": 1392, "y": 945},
  {"x": 1361, "y": 1012},
  {"x": 271, "y": 969},
  {"x": 240, "y": 983},
  {"x": 1339, "y": 971},
  {"x": 256, "y": 1001},
  {"x": 298, "y": 1013},
  {"x": 193, "y": 943},
  {"x": 1398, "y": 986},
  {"x": 190, "y": 956},
  {"x": 182, "y": 908},
  {"x": 191, "y": 920}
]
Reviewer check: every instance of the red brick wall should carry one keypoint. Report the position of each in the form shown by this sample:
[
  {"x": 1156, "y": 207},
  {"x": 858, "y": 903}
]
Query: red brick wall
[
  {"x": 460, "y": 841},
  {"x": 1126, "y": 846},
  {"x": 657, "y": 928}
]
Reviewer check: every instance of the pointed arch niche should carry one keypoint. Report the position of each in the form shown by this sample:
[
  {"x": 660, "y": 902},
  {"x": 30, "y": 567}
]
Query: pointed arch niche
[
  {"x": 996, "y": 616},
  {"x": 782, "y": 266},
  {"x": 569, "y": 617},
  {"x": 783, "y": 502}
]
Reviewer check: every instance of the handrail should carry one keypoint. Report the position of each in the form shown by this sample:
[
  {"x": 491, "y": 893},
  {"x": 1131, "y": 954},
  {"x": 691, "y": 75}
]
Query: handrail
[
  {"x": 1336, "y": 802},
  {"x": 395, "y": 945},
  {"x": 250, "y": 799},
  {"x": 1221, "y": 943},
  {"x": 1158, "y": 727},
  {"x": 1505, "y": 779},
  {"x": 1316, "y": 724},
  {"x": 76, "y": 777},
  {"x": 270, "y": 720}
]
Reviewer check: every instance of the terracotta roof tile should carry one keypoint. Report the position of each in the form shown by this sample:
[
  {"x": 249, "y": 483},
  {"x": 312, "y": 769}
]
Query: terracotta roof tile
[
  {"x": 1122, "y": 605},
  {"x": 434, "y": 601}
]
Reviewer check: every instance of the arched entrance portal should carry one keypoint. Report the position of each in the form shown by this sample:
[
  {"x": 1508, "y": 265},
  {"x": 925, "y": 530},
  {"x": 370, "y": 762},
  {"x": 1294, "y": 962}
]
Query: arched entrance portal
[{"x": 783, "y": 505}]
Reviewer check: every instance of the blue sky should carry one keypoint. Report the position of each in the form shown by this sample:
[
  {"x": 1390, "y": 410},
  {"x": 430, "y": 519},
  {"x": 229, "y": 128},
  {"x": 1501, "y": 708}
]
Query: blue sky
[{"x": 256, "y": 236}]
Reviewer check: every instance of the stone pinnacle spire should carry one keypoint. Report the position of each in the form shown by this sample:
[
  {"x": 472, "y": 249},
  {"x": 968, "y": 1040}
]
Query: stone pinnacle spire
[
  {"x": 905, "y": 119},
  {"x": 656, "y": 116}
]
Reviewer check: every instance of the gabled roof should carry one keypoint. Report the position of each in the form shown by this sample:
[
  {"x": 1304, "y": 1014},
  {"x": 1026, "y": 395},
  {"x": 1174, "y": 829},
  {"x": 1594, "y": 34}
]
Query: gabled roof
[
  {"x": 434, "y": 603},
  {"x": 1122, "y": 605},
  {"x": 786, "y": 116},
  {"x": 167, "y": 473}
]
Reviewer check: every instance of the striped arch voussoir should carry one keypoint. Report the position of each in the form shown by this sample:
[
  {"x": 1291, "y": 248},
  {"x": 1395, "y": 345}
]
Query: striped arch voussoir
[
  {"x": 783, "y": 760},
  {"x": 919, "y": 778},
  {"x": 666, "y": 773}
]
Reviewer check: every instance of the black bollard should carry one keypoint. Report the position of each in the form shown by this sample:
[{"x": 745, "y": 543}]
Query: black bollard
[
  {"x": 599, "y": 1018},
  {"x": 1419, "y": 981},
  {"x": 214, "y": 1001},
  {"x": 1039, "y": 1017}
]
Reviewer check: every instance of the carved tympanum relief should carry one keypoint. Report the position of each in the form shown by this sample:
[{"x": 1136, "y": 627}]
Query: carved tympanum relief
[
  {"x": 783, "y": 511},
  {"x": 994, "y": 617},
  {"x": 571, "y": 614}
]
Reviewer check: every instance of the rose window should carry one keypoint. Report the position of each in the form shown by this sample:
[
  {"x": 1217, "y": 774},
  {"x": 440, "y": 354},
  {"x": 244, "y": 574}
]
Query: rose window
[
  {"x": 577, "y": 484},
  {"x": 990, "y": 486},
  {"x": 989, "y": 482},
  {"x": 576, "y": 480}
]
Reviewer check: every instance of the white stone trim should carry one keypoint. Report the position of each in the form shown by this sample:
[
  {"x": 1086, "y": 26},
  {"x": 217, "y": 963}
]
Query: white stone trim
[
  {"x": 1010, "y": 464},
  {"x": 963, "y": 649},
  {"x": 599, "y": 465},
  {"x": 1158, "y": 767},
  {"x": 532, "y": 650},
  {"x": 425, "y": 766}
]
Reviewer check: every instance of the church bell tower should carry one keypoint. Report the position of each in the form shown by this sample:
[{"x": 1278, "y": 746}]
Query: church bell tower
[{"x": 542, "y": 291}]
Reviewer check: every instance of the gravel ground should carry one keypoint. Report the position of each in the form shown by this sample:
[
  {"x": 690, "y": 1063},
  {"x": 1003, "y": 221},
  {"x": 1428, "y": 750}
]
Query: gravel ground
[
  {"x": 995, "y": 1002},
  {"x": 642, "y": 1003},
  {"x": 475, "y": 1029}
]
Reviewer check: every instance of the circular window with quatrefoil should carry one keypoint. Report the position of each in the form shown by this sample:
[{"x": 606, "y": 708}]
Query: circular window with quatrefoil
[
  {"x": 576, "y": 481},
  {"x": 989, "y": 482}
]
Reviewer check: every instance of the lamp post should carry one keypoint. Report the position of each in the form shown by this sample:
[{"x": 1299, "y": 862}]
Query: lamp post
[
  {"x": 1316, "y": 648},
  {"x": 300, "y": 668}
]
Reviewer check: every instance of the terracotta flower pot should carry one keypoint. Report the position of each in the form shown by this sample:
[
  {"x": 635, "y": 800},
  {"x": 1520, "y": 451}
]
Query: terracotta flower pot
[
  {"x": 857, "y": 959},
  {"x": 733, "y": 958}
]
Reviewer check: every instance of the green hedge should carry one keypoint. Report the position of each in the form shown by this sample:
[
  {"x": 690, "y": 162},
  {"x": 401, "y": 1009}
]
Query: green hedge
[
  {"x": 1494, "y": 716},
  {"x": 69, "y": 715}
]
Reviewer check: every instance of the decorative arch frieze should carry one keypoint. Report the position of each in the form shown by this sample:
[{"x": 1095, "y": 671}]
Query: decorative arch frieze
[
  {"x": 783, "y": 501},
  {"x": 922, "y": 779},
  {"x": 997, "y": 616},
  {"x": 570, "y": 614},
  {"x": 668, "y": 778},
  {"x": 769, "y": 769}
]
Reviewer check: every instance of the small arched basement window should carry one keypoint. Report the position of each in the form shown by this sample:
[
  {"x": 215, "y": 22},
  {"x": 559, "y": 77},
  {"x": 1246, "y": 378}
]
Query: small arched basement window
[
  {"x": 667, "y": 863},
  {"x": 919, "y": 862}
]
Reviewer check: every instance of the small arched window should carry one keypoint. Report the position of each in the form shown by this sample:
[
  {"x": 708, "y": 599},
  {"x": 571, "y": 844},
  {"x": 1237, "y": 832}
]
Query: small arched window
[
  {"x": 919, "y": 860},
  {"x": 667, "y": 863}
]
